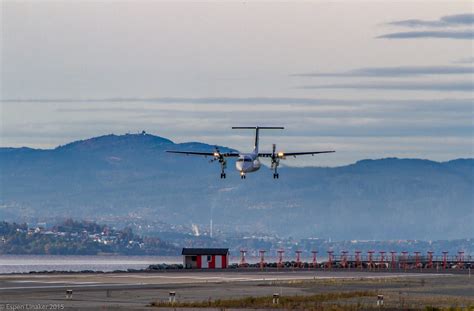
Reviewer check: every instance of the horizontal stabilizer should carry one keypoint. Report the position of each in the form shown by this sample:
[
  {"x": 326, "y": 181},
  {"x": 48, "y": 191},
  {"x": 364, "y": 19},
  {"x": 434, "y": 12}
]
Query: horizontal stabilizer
[{"x": 258, "y": 127}]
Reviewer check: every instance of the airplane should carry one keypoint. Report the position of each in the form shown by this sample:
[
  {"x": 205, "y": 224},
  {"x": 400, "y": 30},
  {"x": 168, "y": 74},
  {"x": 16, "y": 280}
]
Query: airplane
[{"x": 249, "y": 162}]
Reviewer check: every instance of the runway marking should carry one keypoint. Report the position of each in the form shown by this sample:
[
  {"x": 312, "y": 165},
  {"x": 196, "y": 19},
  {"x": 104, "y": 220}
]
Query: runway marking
[
  {"x": 178, "y": 277},
  {"x": 54, "y": 282},
  {"x": 243, "y": 278},
  {"x": 156, "y": 280},
  {"x": 67, "y": 286}
]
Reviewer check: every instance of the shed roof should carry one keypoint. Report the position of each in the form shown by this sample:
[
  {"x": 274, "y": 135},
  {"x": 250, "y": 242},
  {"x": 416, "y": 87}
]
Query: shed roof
[{"x": 205, "y": 251}]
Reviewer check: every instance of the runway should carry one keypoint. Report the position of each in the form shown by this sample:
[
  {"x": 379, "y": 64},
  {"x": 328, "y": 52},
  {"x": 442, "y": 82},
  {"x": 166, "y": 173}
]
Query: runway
[
  {"x": 135, "y": 291},
  {"x": 83, "y": 281}
]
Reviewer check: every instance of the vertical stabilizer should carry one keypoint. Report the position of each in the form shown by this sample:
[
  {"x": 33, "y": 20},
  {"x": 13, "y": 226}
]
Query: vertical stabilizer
[
  {"x": 255, "y": 147},
  {"x": 257, "y": 132}
]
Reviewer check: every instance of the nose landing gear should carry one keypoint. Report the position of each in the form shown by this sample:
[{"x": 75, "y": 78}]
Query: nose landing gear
[
  {"x": 276, "y": 176},
  {"x": 242, "y": 175},
  {"x": 223, "y": 175}
]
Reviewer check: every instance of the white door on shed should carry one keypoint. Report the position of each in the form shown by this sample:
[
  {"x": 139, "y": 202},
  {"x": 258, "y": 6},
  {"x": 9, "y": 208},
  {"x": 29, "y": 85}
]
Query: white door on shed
[
  {"x": 204, "y": 262},
  {"x": 218, "y": 261}
]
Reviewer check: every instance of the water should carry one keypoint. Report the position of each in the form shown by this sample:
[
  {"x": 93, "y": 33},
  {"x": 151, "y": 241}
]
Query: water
[{"x": 27, "y": 263}]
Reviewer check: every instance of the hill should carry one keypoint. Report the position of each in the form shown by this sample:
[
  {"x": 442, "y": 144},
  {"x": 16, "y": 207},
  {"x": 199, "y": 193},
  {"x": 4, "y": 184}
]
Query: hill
[
  {"x": 77, "y": 238},
  {"x": 131, "y": 176}
]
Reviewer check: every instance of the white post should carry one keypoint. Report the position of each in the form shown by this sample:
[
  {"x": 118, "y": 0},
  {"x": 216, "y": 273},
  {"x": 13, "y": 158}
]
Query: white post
[
  {"x": 276, "y": 298},
  {"x": 379, "y": 300},
  {"x": 172, "y": 297}
]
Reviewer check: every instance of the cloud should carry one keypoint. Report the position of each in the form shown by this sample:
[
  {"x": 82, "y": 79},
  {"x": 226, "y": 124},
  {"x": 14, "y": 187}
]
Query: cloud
[
  {"x": 361, "y": 118},
  {"x": 457, "y": 35},
  {"x": 467, "y": 60},
  {"x": 395, "y": 71},
  {"x": 191, "y": 103},
  {"x": 357, "y": 113},
  {"x": 448, "y": 21},
  {"x": 462, "y": 86},
  {"x": 178, "y": 100},
  {"x": 445, "y": 21}
]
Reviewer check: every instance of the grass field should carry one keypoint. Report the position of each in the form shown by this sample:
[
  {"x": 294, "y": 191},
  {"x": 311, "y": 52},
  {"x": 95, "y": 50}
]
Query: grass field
[
  {"x": 447, "y": 293},
  {"x": 313, "y": 302}
]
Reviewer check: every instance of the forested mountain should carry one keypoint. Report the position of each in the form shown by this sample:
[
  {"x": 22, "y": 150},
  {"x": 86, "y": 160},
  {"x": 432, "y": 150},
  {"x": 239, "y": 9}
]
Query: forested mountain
[{"x": 132, "y": 175}]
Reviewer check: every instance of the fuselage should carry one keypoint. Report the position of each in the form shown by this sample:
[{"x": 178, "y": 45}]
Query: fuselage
[{"x": 247, "y": 163}]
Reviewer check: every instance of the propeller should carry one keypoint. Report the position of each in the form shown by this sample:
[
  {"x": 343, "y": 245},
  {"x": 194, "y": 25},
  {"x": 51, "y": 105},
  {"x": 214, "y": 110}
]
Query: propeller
[
  {"x": 275, "y": 157},
  {"x": 218, "y": 156}
]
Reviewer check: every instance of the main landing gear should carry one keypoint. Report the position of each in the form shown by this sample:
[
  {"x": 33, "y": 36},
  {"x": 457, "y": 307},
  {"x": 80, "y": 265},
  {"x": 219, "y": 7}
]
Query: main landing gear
[
  {"x": 222, "y": 161},
  {"x": 275, "y": 162},
  {"x": 223, "y": 166}
]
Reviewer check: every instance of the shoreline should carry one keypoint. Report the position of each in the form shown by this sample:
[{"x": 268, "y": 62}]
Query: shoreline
[{"x": 271, "y": 268}]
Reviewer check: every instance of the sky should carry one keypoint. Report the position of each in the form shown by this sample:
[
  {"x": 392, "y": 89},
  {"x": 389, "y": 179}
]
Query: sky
[{"x": 368, "y": 79}]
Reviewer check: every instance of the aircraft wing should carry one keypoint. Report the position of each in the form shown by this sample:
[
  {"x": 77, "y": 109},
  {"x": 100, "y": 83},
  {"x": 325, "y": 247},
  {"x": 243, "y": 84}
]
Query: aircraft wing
[
  {"x": 292, "y": 154},
  {"x": 210, "y": 154}
]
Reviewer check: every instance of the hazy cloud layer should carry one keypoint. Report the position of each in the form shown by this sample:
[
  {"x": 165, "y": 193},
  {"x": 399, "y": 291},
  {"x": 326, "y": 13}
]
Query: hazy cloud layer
[
  {"x": 196, "y": 100},
  {"x": 395, "y": 71},
  {"x": 458, "y": 35},
  {"x": 190, "y": 103},
  {"x": 355, "y": 128},
  {"x": 445, "y": 21},
  {"x": 463, "y": 86},
  {"x": 466, "y": 60}
]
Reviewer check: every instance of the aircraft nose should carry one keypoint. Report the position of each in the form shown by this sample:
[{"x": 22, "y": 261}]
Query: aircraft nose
[
  {"x": 243, "y": 166},
  {"x": 239, "y": 166}
]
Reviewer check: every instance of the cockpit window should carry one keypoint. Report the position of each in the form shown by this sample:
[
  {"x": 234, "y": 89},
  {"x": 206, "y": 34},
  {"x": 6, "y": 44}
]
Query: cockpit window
[{"x": 244, "y": 160}]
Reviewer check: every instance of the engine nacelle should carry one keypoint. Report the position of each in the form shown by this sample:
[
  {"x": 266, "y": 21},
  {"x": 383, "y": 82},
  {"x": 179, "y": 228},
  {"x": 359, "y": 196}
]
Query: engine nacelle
[{"x": 276, "y": 157}]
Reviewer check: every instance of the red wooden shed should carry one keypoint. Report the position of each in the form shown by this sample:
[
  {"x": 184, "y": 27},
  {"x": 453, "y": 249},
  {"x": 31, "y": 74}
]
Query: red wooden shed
[{"x": 205, "y": 258}]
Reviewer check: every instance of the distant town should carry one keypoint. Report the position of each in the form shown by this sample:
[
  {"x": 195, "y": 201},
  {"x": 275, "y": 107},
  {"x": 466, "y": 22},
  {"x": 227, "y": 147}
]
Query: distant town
[
  {"x": 136, "y": 236},
  {"x": 77, "y": 238}
]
